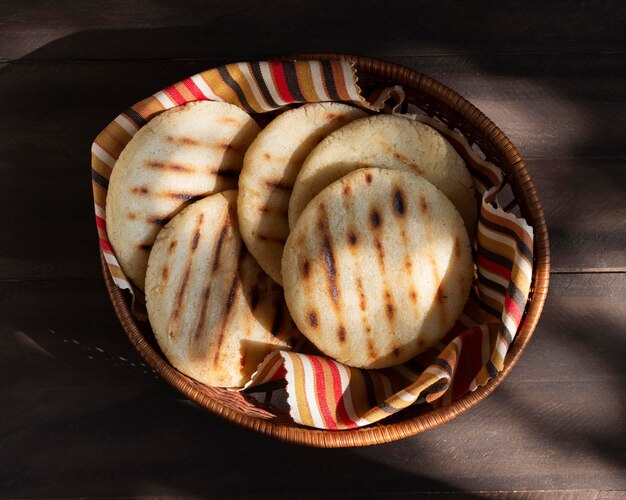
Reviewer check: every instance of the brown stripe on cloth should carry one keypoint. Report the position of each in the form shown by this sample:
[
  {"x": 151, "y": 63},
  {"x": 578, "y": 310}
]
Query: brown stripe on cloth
[
  {"x": 293, "y": 84},
  {"x": 234, "y": 86},
  {"x": 329, "y": 81},
  {"x": 256, "y": 71}
]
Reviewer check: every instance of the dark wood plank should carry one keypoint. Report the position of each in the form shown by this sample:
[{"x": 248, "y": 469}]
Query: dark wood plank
[
  {"x": 72, "y": 426},
  {"x": 585, "y": 209},
  {"x": 550, "y": 106},
  {"x": 45, "y": 195},
  {"x": 144, "y": 29}
]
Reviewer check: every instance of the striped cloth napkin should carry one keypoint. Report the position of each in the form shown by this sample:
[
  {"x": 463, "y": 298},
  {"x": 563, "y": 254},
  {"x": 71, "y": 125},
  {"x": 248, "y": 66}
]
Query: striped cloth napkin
[{"x": 323, "y": 393}]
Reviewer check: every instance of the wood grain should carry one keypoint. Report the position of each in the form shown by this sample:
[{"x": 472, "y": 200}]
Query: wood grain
[
  {"x": 556, "y": 421},
  {"x": 146, "y": 29}
]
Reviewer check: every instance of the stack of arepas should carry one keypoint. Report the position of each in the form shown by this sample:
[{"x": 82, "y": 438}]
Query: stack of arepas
[{"x": 349, "y": 230}]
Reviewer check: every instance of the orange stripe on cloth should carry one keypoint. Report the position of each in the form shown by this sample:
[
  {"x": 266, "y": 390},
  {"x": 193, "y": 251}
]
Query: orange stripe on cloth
[
  {"x": 218, "y": 85},
  {"x": 297, "y": 381},
  {"x": 246, "y": 87},
  {"x": 148, "y": 108},
  {"x": 305, "y": 80},
  {"x": 521, "y": 231}
]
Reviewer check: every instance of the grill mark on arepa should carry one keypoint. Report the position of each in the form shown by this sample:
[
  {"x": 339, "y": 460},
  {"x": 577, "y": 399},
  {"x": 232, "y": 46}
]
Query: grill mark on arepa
[
  {"x": 140, "y": 190},
  {"x": 219, "y": 244},
  {"x": 158, "y": 220},
  {"x": 341, "y": 334},
  {"x": 380, "y": 253},
  {"x": 172, "y": 247},
  {"x": 225, "y": 173},
  {"x": 232, "y": 295},
  {"x": 197, "y": 234},
  {"x": 366, "y": 326},
  {"x": 329, "y": 255},
  {"x": 331, "y": 271},
  {"x": 389, "y": 306},
  {"x": 305, "y": 269},
  {"x": 173, "y": 167},
  {"x": 399, "y": 205},
  {"x": 361, "y": 292},
  {"x": 352, "y": 239},
  {"x": 273, "y": 239},
  {"x": 408, "y": 265},
  {"x": 313, "y": 319},
  {"x": 188, "y": 141},
  {"x": 145, "y": 247},
  {"x": 228, "y": 120},
  {"x": 178, "y": 302},
  {"x": 194, "y": 242},
  {"x": 181, "y": 196},
  {"x": 278, "y": 185},
  {"x": 371, "y": 350},
  {"x": 368, "y": 178},
  {"x": 423, "y": 204},
  {"x": 265, "y": 209},
  {"x": 206, "y": 295},
  {"x": 165, "y": 273},
  {"x": 375, "y": 218},
  {"x": 227, "y": 146},
  {"x": 403, "y": 159}
]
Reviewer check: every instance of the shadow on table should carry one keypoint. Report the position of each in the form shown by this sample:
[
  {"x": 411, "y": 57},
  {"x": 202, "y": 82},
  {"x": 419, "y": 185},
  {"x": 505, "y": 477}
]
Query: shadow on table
[{"x": 180, "y": 449}]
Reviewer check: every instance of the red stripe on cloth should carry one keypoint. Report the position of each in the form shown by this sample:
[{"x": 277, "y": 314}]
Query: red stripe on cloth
[
  {"x": 281, "y": 82},
  {"x": 469, "y": 362},
  {"x": 101, "y": 223},
  {"x": 320, "y": 391},
  {"x": 176, "y": 96},
  {"x": 280, "y": 373},
  {"x": 513, "y": 309},
  {"x": 193, "y": 88},
  {"x": 494, "y": 268},
  {"x": 342, "y": 413},
  {"x": 105, "y": 245}
]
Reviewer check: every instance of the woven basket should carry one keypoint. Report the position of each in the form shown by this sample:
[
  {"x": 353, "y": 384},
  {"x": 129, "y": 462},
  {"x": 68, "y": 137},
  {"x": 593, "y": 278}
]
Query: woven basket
[{"x": 436, "y": 100}]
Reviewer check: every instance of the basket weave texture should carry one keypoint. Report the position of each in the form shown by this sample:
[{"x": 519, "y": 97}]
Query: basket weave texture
[{"x": 457, "y": 113}]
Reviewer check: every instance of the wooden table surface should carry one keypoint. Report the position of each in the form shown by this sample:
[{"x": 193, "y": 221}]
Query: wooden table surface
[{"x": 81, "y": 415}]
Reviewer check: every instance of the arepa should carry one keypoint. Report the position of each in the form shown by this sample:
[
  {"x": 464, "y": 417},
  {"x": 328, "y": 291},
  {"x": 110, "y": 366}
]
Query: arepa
[
  {"x": 377, "y": 268},
  {"x": 184, "y": 153},
  {"x": 213, "y": 310},
  {"x": 386, "y": 141},
  {"x": 269, "y": 170}
]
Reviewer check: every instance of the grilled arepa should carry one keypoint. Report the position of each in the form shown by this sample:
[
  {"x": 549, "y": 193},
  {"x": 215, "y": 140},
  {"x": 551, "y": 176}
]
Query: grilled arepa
[
  {"x": 213, "y": 310},
  {"x": 186, "y": 152},
  {"x": 377, "y": 268},
  {"x": 390, "y": 142},
  {"x": 269, "y": 170}
]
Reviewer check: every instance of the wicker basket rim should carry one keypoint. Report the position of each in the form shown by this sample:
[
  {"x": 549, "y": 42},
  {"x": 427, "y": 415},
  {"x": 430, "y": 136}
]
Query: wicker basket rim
[{"x": 379, "y": 433}]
